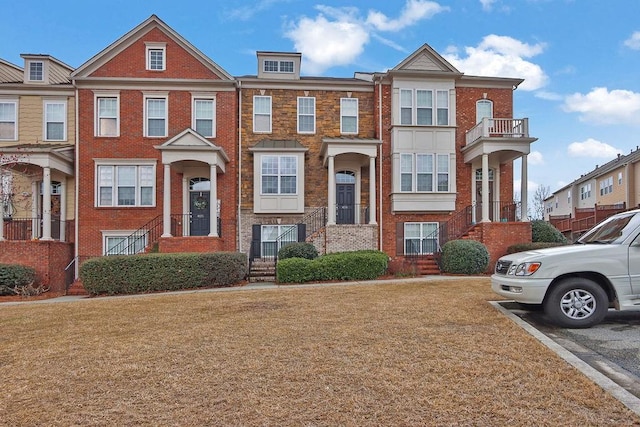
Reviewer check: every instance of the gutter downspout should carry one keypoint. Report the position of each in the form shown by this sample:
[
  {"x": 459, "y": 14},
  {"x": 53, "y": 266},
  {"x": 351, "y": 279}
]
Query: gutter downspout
[
  {"x": 76, "y": 166},
  {"x": 239, "y": 227},
  {"x": 380, "y": 161}
]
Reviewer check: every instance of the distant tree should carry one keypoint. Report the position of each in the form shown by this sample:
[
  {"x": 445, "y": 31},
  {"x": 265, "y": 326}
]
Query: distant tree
[{"x": 541, "y": 194}]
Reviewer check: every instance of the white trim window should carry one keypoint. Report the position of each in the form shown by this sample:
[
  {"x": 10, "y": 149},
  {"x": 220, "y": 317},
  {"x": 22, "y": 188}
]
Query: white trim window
[
  {"x": 279, "y": 174},
  {"x": 349, "y": 115},
  {"x": 619, "y": 178},
  {"x": 126, "y": 185},
  {"x": 155, "y": 116},
  {"x": 204, "y": 116},
  {"x": 8, "y": 120},
  {"x": 424, "y": 107},
  {"x": 442, "y": 107},
  {"x": 274, "y": 66},
  {"x": 606, "y": 186},
  {"x": 107, "y": 116},
  {"x": 484, "y": 108},
  {"x": 417, "y": 107},
  {"x": 55, "y": 120},
  {"x": 306, "y": 114},
  {"x": 406, "y": 106},
  {"x": 269, "y": 238},
  {"x": 123, "y": 242},
  {"x": 420, "y": 238},
  {"x": 156, "y": 56},
  {"x": 585, "y": 192},
  {"x": 36, "y": 71},
  {"x": 419, "y": 173},
  {"x": 262, "y": 114}
]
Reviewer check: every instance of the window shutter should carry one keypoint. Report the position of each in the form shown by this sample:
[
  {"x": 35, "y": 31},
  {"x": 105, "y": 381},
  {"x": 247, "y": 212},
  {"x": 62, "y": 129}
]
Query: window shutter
[
  {"x": 302, "y": 232},
  {"x": 256, "y": 235},
  {"x": 400, "y": 238}
]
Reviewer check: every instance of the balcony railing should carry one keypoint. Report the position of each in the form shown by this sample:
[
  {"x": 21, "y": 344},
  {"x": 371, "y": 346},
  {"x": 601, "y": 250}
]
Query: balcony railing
[
  {"x": 31, "y": 228},
  {"x": 507, "y": 128}
]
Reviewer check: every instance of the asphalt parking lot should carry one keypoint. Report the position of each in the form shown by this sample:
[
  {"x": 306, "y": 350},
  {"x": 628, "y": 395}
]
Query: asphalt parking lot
[{"x": 612, "y": 347}]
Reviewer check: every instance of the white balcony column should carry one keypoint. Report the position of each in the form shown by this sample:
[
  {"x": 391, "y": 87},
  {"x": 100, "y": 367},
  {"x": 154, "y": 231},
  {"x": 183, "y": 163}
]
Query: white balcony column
[
  {"x": 524, "y": 208},
  {"x": 35, "y": 205},
  {"x": 485, "y": 188},
  {"x": 372, "y": 190},
  {"x": 331, "y": 218},
  {"x": 46, "y": 203},
  {"x": 63, "y": 209},
  {"x": 213, "y": 202},
  {"x": 166, "y": 202}
]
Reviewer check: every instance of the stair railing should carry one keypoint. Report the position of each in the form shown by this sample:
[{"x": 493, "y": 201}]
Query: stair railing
[{"x": 140, "y": 239}]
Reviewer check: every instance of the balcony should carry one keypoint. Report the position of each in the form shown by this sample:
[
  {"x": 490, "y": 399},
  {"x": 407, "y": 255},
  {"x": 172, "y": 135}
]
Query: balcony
[{"x": 509, "y": 138}]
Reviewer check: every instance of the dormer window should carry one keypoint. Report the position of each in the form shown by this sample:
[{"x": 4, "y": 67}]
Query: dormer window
[
  {"x": 271, "y": 66},
  {"x": 156, "y": 56},
  {"x": 36, "y": 71}
]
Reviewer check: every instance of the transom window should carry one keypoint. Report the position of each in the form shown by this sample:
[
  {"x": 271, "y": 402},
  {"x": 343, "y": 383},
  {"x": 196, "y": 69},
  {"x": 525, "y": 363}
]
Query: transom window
[
  {"x": 8, "y": 119},
  {"x": 55, "y": 120},
  {"x": 125, "y": 185},
  {"x": 279, "y": 174},
  {"x": 306, "y": 115},
  {"x": 156, "y": 58},
  {"x": 107, "y": 116},
  {"x": 262, "y": 114},
  {"x": 420, "y": 238},
  {"x": 204, "y": 117},
  {"x": 273, "y": 66},
  {"x": 349, "y": 115},
  {"x": 155, "y": 117},
  {"x": 424, "y": 172},
  {"x": 417, "y": 107},
  {"x": 36, "y": 71}
]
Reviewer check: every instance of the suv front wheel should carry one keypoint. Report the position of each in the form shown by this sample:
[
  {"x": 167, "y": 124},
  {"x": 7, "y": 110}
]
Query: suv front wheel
[{"x": 576, "y": 303}]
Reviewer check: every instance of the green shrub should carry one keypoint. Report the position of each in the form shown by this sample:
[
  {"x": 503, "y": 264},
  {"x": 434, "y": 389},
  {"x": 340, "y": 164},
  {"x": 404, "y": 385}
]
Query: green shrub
[
  {"x": 298, "y": 250},
  {"x": 521, "y": 247},
  {"x": 464, "y": 257},
  {"x": 543, "y": 231},
  {"x": 13, "y": 276},
  {"x": 161, "y": 272},
  {"x": 356, "y": 265}
]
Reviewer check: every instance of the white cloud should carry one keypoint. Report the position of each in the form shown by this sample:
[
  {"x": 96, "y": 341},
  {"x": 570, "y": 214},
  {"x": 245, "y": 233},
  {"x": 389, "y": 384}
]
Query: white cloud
[
  {"x": 605, "y": 107},
  {"x": 487, "y": 4},
  {"x": 535, "y": 158},
  {"x": 413, "y": 11},
  {"x": 244, "y": 13},
  {"x": 549, "y": 96},
  {"x": 337, "y": 36},
  {"x": 501, "y": 56},
  {"x": 592, "y": 148},
  {"x": 633, "y": 42}
]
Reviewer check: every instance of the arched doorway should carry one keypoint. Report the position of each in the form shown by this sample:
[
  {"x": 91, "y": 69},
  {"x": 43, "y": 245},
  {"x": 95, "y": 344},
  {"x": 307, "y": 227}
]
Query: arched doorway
[
  {"x": 199, "y": 206},
  {"x": 345, "y": 197}
]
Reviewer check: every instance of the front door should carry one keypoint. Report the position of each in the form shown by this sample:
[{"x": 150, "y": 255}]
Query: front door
[
  {"x": 345, "y": 203},
  {"x": 200, "y": 213},
  {"x": 479, "y": 195}
]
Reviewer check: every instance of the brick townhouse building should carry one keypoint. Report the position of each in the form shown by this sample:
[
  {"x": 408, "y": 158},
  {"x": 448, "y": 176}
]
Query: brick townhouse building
[{"x": 174, "y": 154}]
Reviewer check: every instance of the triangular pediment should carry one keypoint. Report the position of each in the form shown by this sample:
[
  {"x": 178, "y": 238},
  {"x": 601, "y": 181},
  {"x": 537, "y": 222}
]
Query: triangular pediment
[
  {"x": 190, "y": 141},
  {"x": 426, "y": 59},
  {"x": 153, "y": 29},
  {"x": 188, "y": 138}
]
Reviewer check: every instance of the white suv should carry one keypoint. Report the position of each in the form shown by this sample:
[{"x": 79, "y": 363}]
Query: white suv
[{"x": 577, "y": 284}]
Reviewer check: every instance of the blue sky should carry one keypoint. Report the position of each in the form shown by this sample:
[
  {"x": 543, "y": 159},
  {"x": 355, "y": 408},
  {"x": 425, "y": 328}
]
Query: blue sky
[{"x": 580, "y": 58}]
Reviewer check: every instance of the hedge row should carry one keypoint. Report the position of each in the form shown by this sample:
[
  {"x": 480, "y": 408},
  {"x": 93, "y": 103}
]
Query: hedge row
[
  {"x": 14, "y": 276},
  {"x": 162, "y": 272},
  {"x": 356, "y": 265}
]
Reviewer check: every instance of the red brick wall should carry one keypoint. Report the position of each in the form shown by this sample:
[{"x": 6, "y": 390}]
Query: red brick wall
[
  {"x": 498, "y": 236},
  {"x": 48, "y": 258},
  {"x": 191, "y": 244}
]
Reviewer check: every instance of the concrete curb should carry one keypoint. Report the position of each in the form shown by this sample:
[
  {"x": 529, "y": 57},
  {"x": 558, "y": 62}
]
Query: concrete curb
[{"x": 618, "y": 392}]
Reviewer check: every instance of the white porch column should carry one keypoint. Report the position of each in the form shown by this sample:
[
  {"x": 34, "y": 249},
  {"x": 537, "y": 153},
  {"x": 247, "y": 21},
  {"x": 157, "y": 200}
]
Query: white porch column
[
  {"x": 46, "y": 203},
  {"x": 63, "y": 209},
  {"x": 213, "y": 202},
  {"x": 372, "y": 190},
  {"x": 524, "y": 196},
  {"x": 485, "y": 188},
  {"x": 331, "y": 219},
  {"x": 35, "y": 206},
  {"x": 1, "y": 222},
  {"x": 166, "y": 202}
]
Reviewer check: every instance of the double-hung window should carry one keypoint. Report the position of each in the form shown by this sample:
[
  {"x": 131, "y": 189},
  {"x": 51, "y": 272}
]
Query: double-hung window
[
  {"x": 424, "y": 107},
  {"x": 418, "y": 107},
  {"x": 442, "y": 107},
  {"x": 125, "y": 185},
  {"x": 36, "y": 71},
  {"x": 155, "y": 116},
  {"x": 420, "y": 238},
  {"x": 8, "y": 120},
  {"x": 406, "y": 106},
  {"x": 273, "y": 66},
  {"x": 349, "y": 115},
  {"x": 279, "y": 174},
  {"x": 204, "y": 117},
  {"x": 306, "y": 114},
  {"x": 585, "y": 192},
  {"x": 55, "y": 120},
  {"x": 424, "y": 172},
  {"x": 123, "y": 243},
  {"x": 107, "y": 116},
  {"x": 156, "y": 56},
  {"x": 262, "y": 114},
  {"x": 269, "y": 238},
  {"x": 606, "y": 186}
]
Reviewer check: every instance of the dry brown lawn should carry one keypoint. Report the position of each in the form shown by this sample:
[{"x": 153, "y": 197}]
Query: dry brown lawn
[{"x": 428, "y": 353}]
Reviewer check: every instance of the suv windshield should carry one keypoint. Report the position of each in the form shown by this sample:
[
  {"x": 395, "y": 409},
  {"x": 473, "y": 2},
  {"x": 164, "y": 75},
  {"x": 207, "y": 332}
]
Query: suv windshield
[{"x": 613, "y": 230}]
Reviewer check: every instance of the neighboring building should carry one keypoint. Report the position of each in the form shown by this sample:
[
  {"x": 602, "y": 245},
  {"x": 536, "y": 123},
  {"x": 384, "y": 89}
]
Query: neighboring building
[
  {"x": 37, "y": 135},
  {"x": 174, "y": 154}
]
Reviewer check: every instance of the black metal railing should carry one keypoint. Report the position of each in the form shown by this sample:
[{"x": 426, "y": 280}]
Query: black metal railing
[
  {"x": 352, "y": 214},
  {"x": 30, "y": 228},
  {"x": 188, "y": 225},
  {"x": 140, "y": 239}
]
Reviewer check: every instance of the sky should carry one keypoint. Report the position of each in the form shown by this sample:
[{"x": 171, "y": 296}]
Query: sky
[{"x": 580, "y": 58}]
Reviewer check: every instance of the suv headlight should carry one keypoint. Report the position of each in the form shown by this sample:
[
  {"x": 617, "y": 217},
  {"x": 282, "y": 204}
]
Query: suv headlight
[{"x": 524, "y": 269}]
